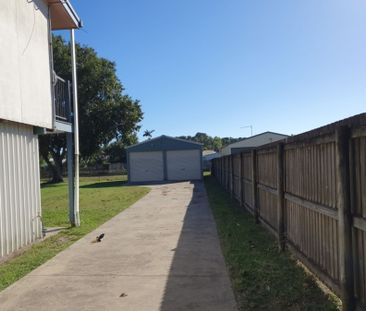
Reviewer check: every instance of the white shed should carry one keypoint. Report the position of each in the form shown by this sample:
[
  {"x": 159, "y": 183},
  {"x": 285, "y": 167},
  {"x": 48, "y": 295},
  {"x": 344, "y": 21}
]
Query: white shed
[{"x": 164, "y": 159}]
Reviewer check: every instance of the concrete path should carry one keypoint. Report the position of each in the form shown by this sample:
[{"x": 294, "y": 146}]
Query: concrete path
[{"x": 162, "y": 253}]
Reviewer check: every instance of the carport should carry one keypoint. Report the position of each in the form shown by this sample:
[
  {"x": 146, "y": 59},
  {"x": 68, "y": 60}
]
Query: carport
[{"x": 164, "y": 159}]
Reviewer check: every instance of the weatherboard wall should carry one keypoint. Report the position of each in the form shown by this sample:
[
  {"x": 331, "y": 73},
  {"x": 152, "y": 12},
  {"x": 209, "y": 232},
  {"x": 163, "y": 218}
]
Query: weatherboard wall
[
  {"x": 25, "y": 80},
  {"x": 20, "y": 207}
]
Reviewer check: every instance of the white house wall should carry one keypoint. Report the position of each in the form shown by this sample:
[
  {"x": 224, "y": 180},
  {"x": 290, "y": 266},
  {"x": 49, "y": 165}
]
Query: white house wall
[
  {"x": 20, "y": 207},
  {"x": 25, "y": 75}
]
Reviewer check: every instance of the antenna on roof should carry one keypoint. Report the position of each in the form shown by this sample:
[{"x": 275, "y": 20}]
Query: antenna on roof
[{"x": 248, "y": 126}]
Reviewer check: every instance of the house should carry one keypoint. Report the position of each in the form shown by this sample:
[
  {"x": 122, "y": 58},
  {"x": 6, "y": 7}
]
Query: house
[
  {"x": 33, "y": 101},
  {"x": 251, "y": 142},
  {"x": 164, "y": 158},
  {"x": 207, "y": 156}
]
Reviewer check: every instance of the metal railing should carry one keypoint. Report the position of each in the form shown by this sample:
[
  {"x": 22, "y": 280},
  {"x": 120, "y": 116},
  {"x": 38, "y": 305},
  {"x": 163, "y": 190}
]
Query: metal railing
[{"x": 62, "y": 101}]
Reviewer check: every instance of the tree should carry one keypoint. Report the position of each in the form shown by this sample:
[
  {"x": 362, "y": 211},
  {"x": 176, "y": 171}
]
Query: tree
[
  {"x": 211, "y": 143},
  {"x": 105, "y": 114},
  {"x": 216, "y": 143},
  {"x": 148, "y": 133}
]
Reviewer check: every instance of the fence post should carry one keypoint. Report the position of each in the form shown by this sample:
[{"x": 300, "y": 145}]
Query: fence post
[
  {"x": 280, "y": 198},
  {"x": 219, "y": 172},
  {"x": 232, "y": 176},
  {"x": 241, "y": 180},
  {"x": 222, "y": 171},
  {"x": 344, "y": 218},
  {"x": 254, "y": 185}
]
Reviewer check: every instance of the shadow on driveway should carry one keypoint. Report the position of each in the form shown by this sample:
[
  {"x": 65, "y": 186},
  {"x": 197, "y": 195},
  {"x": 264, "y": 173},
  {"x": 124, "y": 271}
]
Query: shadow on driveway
[{"x": 198, "y": 279}]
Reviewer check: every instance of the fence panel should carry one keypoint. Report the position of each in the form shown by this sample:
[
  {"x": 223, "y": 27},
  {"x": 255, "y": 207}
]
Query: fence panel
[
  {"x": 358, "y": 185},
  {"x": 267, "y": 186},
  {"x": 236, "y": 177},
  {"x": 247, "y": 180},
  {"x": 321, "y": 193},
  {"x": 310, "y": 204}
]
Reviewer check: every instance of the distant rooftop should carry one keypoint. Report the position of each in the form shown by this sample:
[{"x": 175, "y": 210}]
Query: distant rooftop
[{"x": 251, "y": 142}]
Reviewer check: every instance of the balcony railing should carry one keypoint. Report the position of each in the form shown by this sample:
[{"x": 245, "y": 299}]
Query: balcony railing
[{"x": 62, "y": 102}]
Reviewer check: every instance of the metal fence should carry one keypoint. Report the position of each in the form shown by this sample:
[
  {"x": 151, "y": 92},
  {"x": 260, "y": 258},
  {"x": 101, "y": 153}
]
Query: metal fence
[{"x": 310, "y": 192}]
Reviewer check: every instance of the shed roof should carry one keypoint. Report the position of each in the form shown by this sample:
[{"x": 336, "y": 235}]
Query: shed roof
[{"x": 164, "y": 142}]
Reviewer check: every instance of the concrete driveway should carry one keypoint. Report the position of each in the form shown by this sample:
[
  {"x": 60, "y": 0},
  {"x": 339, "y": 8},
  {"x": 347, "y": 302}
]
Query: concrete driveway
[{"x": 162, "y": 253}]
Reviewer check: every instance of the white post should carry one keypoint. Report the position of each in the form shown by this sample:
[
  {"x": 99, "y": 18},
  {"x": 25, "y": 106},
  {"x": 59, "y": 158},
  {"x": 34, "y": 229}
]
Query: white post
[{"x": 76, "y": 130}]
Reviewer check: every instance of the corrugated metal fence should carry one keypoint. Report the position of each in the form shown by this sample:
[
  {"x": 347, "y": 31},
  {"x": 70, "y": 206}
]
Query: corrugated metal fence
[
  {"x": 20, "y": 207},
  {"x": 310, "y": 192}
]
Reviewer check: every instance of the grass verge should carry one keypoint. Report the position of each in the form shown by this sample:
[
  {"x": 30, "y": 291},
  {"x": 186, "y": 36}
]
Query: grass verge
[
  {"x": 262, "y": 277},
  {"x": 101, "y": 198}
]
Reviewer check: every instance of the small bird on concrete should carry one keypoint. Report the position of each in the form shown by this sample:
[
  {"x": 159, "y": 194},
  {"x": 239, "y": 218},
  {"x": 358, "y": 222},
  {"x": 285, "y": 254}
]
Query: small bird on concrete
[{"x": 100, "y": 237}]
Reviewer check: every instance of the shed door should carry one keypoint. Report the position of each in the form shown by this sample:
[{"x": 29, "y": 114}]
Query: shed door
[
  {"x": 184, "y": 165},
  {"x": 146, "y": 166}
]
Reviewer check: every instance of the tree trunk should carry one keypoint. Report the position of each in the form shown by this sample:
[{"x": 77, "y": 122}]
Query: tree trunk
[{"x": 55, "y": 168}]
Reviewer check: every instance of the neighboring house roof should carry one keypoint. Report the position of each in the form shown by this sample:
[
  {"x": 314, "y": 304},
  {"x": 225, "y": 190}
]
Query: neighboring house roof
[
  {"x": 164, "y": 142},
  {"x": 63, "y": 15},
  {"x": 251, "y": 142},
  {"x": 207, "y": 152},
  {"x": 210, "y": 156}
]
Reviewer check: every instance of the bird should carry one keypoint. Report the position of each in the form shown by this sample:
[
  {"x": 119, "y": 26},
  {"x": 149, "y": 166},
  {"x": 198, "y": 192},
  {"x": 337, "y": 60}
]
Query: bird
[{"x": 100, "y": 237}]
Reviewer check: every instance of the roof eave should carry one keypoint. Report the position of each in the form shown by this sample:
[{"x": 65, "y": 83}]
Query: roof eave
[
  {"x": 70, "y": 9},
  {"x": 73, "y": 22}
]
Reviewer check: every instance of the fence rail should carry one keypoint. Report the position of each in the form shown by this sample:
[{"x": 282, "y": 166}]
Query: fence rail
[
  {"x": 62, "y": 100},
  {"x": 310, "y": 192}
]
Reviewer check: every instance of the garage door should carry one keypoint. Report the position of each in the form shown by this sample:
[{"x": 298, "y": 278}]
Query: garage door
[
  {"x": 146, "y": 166},
  {"x": 184, "y": 165}
]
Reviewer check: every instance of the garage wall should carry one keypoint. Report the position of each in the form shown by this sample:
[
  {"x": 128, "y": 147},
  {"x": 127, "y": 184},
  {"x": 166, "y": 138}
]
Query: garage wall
[
  {"x": 183, "y": 165},
  {"x": 20, "y": 206},
  {"x": 146, "y": 166}
]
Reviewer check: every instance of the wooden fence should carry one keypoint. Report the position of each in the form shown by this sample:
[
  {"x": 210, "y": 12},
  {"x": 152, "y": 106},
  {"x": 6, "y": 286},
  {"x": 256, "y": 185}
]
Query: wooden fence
[{"x": 310, "y": 192}]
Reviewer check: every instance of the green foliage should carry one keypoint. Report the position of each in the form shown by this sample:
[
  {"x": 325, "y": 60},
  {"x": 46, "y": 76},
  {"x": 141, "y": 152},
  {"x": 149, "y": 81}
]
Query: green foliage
[
  {"x": 211, "y": 143},
  {"x": 101, "y": 198},
  {"x": 148, "y": 134},
  {"x": 105, "y": 114},
  {"x": 262, "y": 277}
]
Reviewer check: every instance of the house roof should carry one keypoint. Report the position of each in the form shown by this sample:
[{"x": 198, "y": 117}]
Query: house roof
[
  {"x": 253, "y": 141},
  {"x": 63, "y": 15},
  {"x": 208, "y": 152},
  {"x": 164, "y": 142}
]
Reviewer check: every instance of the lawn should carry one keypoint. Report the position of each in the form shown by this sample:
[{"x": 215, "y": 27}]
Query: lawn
[
  {"x": 262, "y": 277},
  {"x": 101, "y": 198}
]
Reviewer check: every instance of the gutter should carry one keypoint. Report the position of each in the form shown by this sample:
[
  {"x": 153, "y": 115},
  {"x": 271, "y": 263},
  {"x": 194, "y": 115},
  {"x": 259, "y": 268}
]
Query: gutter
[{"x": 71, "y": 11}]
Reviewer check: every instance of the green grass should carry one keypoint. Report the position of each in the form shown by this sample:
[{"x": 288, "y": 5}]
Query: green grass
[
  {"x": 101, "y": 198},
  {"x": 262, "y": 277}
]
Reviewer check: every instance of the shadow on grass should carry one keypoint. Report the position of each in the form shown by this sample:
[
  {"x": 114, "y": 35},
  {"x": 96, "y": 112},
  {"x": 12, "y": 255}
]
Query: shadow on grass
[
  {"x": 262, "y": 277},
  {"x": 106, "y": 184},
  {"x": 50, "y": 184}
]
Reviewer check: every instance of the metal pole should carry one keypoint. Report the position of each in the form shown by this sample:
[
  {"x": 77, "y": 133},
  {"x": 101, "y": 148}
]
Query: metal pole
[
  {"x": 70, "y": 175},
  {"x": 76, "y": 130}
]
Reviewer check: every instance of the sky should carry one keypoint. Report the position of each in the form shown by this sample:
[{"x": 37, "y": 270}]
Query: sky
[{"x": 216, "y": 66}]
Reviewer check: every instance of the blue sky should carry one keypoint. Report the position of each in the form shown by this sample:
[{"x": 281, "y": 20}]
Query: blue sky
[{"x": 214, "y": 66}]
